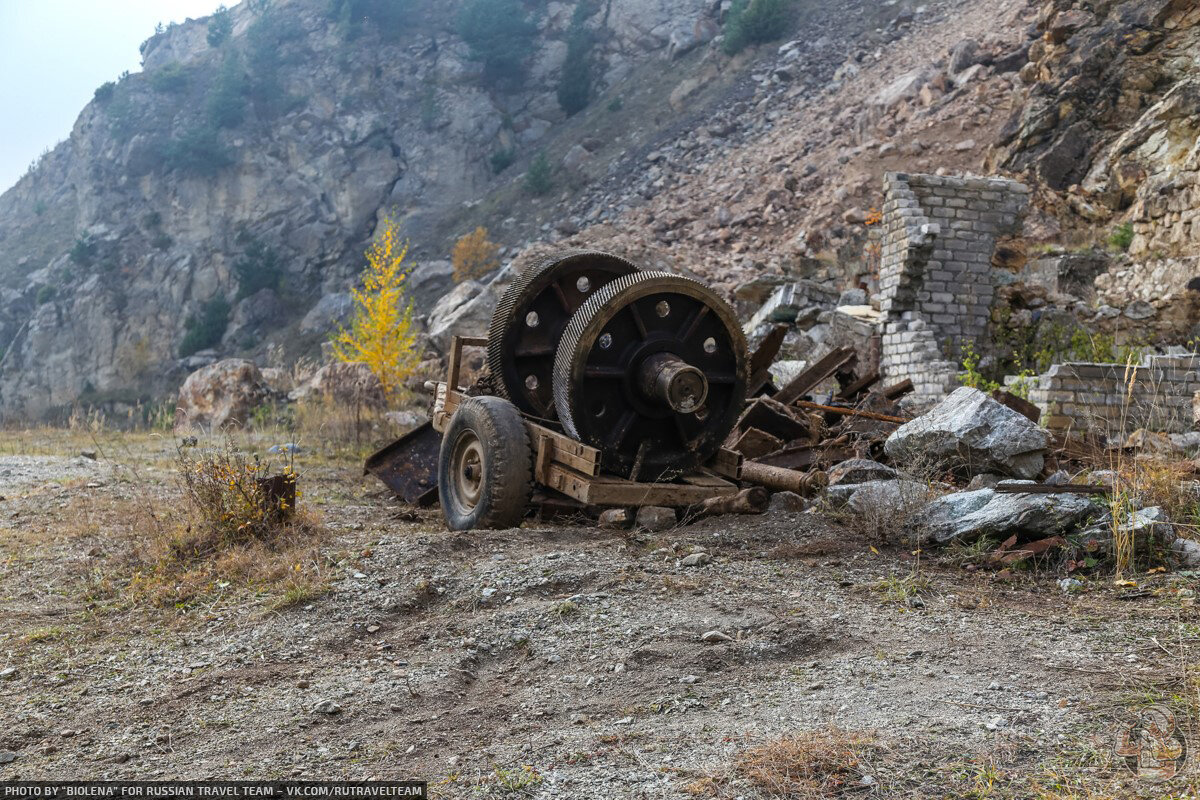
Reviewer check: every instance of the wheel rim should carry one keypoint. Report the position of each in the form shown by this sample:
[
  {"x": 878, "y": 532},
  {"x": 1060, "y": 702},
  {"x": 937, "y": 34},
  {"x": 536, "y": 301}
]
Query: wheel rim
[{"x": 466, "y": 467}]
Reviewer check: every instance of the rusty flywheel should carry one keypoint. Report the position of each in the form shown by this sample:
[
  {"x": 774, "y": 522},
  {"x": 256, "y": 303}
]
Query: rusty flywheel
[
  {"x": 531, "y": 317},
  {"x": 652, "y": 370}
]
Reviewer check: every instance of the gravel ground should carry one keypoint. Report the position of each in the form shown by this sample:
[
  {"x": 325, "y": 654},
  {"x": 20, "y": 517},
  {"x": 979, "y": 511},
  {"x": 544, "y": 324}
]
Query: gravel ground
[{"x": 594, "y": 657}]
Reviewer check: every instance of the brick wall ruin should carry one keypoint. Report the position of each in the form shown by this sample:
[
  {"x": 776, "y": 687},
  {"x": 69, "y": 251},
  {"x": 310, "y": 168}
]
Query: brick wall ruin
[
  {"x": 936, "y": 276},
  {"x": 1098, "y": 397}
]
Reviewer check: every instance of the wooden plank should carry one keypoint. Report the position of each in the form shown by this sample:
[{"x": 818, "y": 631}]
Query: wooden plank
[
  {"x": 810, "y": 377},
  {"x": 763, "y": 358},
  {"x": 806, "y": 456},
  {"x": 565, "y": 450},
  {"x": 859, "y": 386},
  {"x": 1018, "y": 404},
  {"x": 898, "y": 390},
  {"x": 850, "y": 412},
  {"x": 726, "y": 463},
  {"x": 606, "y": 490},
  {"x": 754, "y": 442},
  {"x": 768, "y": 415},
  {"x": 1042, "y": 488}
]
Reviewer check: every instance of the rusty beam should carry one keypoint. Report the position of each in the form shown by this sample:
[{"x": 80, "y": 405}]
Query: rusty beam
[{"x": 810, "y": 377}]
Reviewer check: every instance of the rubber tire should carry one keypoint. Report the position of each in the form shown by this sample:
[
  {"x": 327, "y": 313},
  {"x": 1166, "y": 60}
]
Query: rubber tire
[{"x": 507, "y": 465}]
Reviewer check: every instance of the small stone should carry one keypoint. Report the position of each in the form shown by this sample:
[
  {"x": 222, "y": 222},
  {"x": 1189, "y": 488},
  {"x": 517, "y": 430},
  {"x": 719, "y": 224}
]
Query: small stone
[
  {"x": 786, "y": 503},
  {"x": 696, "y": 560},
  {"x": 965, "y": 145},
  {"x": 326, "y": 707},
  {"x": 88, "y": 454},
  {"x": 616, "y": 518},
  {"x": 68, "y": 733},
  {"x": 302, "y": 684},
  {"x": 996, "y": 724},
  {"x": 8, "y": 672},
  {"x": 372, "y": 628},
  {"x": 715, "y": 637},
  {"x": 7, "y": 756},
  {"x": 656, "y": 518}
]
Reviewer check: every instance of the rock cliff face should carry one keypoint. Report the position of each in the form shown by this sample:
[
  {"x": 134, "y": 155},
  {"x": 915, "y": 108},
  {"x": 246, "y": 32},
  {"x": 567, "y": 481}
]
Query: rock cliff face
[
  {"x": 217, "y": 203},
  {"x": 251, "y": 171}
]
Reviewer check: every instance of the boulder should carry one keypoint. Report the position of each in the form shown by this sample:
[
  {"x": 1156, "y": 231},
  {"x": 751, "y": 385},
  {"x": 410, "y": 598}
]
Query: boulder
[
  {"x": 220, "y": 395},
  {"x": 965, "y": 54},
  {"x": 967, "y": 516},
  {"x": 278, "y": 381},
  {"x": 576, "y": 159},
  {"x": 351, "y": 384},
  {"x": 427, "y": 283},
  {"x": 972, "y": 433},
  {"x": 860, "y": 470},
  {"x": 466, "y": 311},
  {"x": 330, "y": 311}
]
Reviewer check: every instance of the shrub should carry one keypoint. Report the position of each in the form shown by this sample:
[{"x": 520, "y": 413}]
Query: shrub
[
  {"x": 161, "y": 241},
  {"x": 258, "y": 268},
  {"x": 382, "y": 334},
  {"x": 267, "y": 52},
  {"x": 206, "y": 329},
  {"x": 220, "y": 27},
  {"x": 45, "y": 294},
  {"x": 104, "y": 92},
  {"x": 389, "y": 18},
  {"x": 575, "y": 81},
  {"x": 1121, "y": 237},
  {"x": 538, "y": 180},
  {"x": 197, "y": 152},
  {"x": 83, "y": 252},
  {"x": 226, "y": 102},
  {"x": 754, "y": 22},
  {"x": 502, "y": 159},
  {"x": 152, "y": 219},
  {"x": 500, "y": 35},
  {"x": 615, "y": 105},
  {"x": 171, "y": 79},
  {"x": 474, "y": 255}
]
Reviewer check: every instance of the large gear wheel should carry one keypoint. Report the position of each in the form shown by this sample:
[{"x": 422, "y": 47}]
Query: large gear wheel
[
  {"x": 652, "y": 370},
  {"x": 530, "y": 319}
]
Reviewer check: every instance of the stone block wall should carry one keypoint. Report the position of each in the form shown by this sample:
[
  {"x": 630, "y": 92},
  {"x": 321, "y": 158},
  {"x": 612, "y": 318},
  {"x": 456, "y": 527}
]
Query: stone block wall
[
  {"x": 935, "y": 275},
  {"x": 1108, "y": 399}
]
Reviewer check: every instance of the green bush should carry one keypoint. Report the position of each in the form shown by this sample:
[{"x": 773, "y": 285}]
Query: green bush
[
  {"x": 171, "y": 79},
  {"x": 754, "y": 22},
  {"x": 197, "y": 152},
  {"x": 575, "y": 81},
  {"x": 83, "y": 252},
  {"x": 538, "y": 180},
  {"x": 226, "y": 102},
  {"x": 220, "y": 27},
  {"x": 45, "y": 294},
  {"x": 502, "y": 159},
  {"x": 388, "y": 18},
  {"x": 206, "y": 329},
  {"x": 161, "y": 241},
  {"x": 104, "y": 91},
  {"x": 267, "y": 52},
  {"x": 1121, "y": 237},
  {"x": 258, "y": 268},
  {"x": 615, "y": 105},
  {"x": 501, "y": 36},
  {"x": 152, "y": 219}
]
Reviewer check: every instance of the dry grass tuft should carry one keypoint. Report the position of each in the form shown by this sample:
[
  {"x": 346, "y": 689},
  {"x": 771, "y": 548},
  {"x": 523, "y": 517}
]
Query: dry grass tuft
[
  {"x": 812, "y": 764},
  {"x": 235, "y": 529}
]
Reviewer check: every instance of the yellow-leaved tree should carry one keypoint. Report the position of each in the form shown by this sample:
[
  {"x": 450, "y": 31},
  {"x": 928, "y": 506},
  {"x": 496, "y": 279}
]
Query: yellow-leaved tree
[
  {"x": 474, "y": 255},
  {"x": 382, "y": 334}
]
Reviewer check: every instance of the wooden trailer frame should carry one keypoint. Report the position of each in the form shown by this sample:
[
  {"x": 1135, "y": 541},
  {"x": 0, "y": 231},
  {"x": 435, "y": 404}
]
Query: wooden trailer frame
[{"x": 572, "y": 468}]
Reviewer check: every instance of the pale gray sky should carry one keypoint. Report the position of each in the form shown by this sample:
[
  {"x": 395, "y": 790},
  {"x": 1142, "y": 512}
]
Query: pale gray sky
[{"x": 53, "y": 55}]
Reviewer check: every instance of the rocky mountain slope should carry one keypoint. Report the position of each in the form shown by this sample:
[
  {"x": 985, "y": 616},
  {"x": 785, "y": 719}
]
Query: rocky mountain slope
[{"x": 747, "y": 170}]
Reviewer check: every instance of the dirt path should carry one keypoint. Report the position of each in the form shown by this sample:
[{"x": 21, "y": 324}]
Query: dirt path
[{"x": 578, "y": 652}]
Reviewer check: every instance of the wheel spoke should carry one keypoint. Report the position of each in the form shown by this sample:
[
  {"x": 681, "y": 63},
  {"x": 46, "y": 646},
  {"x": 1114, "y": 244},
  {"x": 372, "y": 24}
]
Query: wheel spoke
[
  {"x": 599, "y": 371},
  {"x": 621, "y": 430},
  {"x": 693, "y": 322},
  {"x": 637, "y": 319},
  {"x": 562, "y": 298}
]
